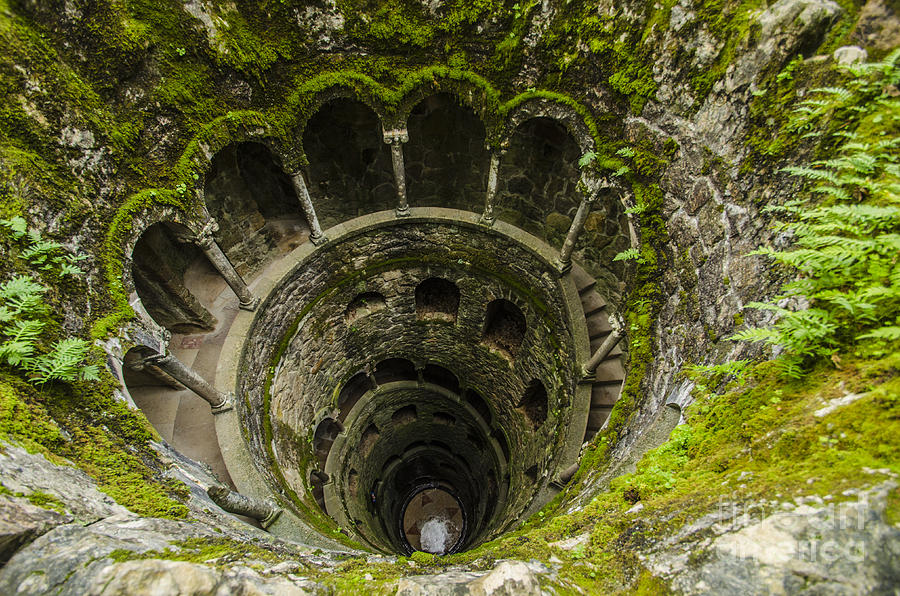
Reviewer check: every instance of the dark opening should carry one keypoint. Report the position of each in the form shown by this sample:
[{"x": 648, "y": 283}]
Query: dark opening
[
  {"x": 395, "y": 369},
  {"x": 438, "y": 375},
  {"x": 534, "y": 403},
  {"x": 437, "y": 299},
  {"x": 350, "y": 171},
  {"x": 363, "y": 305},
  {"x": 446, "y": 159},
  {"x": 504, "y": 328},
  {"x": 351, "y": 392}
]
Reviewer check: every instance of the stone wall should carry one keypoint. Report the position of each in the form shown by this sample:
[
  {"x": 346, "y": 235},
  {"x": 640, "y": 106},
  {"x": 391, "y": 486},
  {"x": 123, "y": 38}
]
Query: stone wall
[{"x": 392, "y": 259}]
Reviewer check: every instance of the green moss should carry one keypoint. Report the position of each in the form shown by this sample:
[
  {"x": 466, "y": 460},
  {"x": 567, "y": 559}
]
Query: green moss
[
  {"x": 102, "y": 437},
  {"x": 46, "y": 500},
  {"x": 220, "y": 552}
]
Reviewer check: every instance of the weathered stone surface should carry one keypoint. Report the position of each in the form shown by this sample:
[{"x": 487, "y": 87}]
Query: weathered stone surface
[
  {"x": 154, "y": 577},
  {"x": 21, "y": 522},
  {"x": 850, "y": 55},
  {"x": 815, "y": 546},
  {"x": 24, "y": 472},
  {"x": 508, "y": 578}
]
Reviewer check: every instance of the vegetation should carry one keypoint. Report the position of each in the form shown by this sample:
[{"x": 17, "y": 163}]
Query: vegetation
[
  {"x": 24, "y": 314},
  {"x": 847, "y": 230}
]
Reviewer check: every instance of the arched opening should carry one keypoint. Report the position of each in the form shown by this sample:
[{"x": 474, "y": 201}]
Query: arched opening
[
  {"x": 395, "y": 369},
  {"x": 182, "y": 418},
  {"x": 253, "y": 200},
  {"x": 534, "y": 403},
  {"x": 538, "y": 178},
  {"x": 438, "y": 375},
  {"x": 404, "y": 415},
  {"x": 446, "y": 159},
  {"x": 437, "y": 299},
  {"x": 317, "y": 480},
  {"x": 504, "y": 328},
  {"x": 351, "y": 392},
  {"x": 350, "y": 171},
  {"x": 474, "y": 399},
  {"x": 363, "y": 305},
  {"x": 165, "y": 268},
  {"x": 323, "y": 438}
]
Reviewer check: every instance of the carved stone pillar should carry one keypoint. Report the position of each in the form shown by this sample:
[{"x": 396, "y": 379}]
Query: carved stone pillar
[
  {"x": 396, "y": 138},
  {"x": 232, "y": 502},
  {"x": 493, "y": 180},
  {"x": 219, "y": 260},
  {"x": 316, "y": 236},
  {"x": 175, "y": 368},
  {"x": 618, "y": 330},
  {"x": 592, "y": 190}
]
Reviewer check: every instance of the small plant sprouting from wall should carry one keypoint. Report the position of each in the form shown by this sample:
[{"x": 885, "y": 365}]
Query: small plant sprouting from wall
[{"x": 24, "y": 313}]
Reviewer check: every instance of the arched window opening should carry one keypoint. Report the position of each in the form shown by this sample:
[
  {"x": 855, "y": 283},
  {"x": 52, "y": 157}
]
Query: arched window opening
[
  {"x": 498, "y": 436},
  {"x": 504, "y": 328},
  {"x": 404, "y": 415},
  {"x": 169, "y": 272},
  {"x": 534, "y": 403},
  {"x": 368, "y": 440},
  {"x": 323, "y": 438},
  {"x": 350, "y": 393},
  {"x": 538, "y": 178},
  {"x": 363, "y": 305},
  {"x": 474, "y": 399},
  {"x": 444, "y": 418},
  {"x": 446, "y": 159},
  {"x": 350, "y": 171},
  {"x": 317, "y": 480},
  {"x": 438, "y": 375},
  {"x": 395, "y": 369},
  {"x": 437, "y": 299},
  {"x": 254, "y": 202}
]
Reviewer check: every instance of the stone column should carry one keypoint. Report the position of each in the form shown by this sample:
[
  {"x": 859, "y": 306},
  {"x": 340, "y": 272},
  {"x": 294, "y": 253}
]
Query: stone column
[
  {"x": 618, "y": 330},
  {"x": 316, "y": 236},
  {"x": 590, "y": 193},
  {"x": 219, "y": 260},
  {"x": 218, "y": 401},
  {"x": 493, "y": 180},
  {"x": 396, "y": 138},
  {"x": 264, "y": 511}
]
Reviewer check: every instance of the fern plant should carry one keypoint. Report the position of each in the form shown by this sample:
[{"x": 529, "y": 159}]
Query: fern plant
[
  {"x": 24, "y": 315},
  {"x": 846, "y": 250}
]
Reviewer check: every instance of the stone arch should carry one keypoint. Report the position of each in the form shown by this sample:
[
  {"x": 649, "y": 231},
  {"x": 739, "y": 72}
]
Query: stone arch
[
  {"x": 249, "y": 194},
  {"x": 538, "y": 179},
  {"x": 534, "y": 403},
  {"x": 395, "y": 369},
  {"x": 235, "y": 128},
  {"x": 323, "y": 438},
  {"x": 441, "y": 376},
  {"x": 565, "y": 114},
  {"x": 350, "y": 171},
  {"x": 446, "y": 157},
  {"x": 437, "y": 299},
  {"x": 363, "y": 305},
  {"x": 160, "y": 262},
  {"x": 351, "y": 392},
  {"x": 504, "y": 328}
]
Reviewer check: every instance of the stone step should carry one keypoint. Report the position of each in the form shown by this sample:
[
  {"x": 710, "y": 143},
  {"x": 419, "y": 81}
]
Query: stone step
[
  {"x": 598, "y": 325},
  {"x": 592, "y": 303},
  {"x": 605, "y": 394},
  {"x": 611, "y": 369},
  {"x": 596, "y": 418},
  {"x": 584, "y": 281}
]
